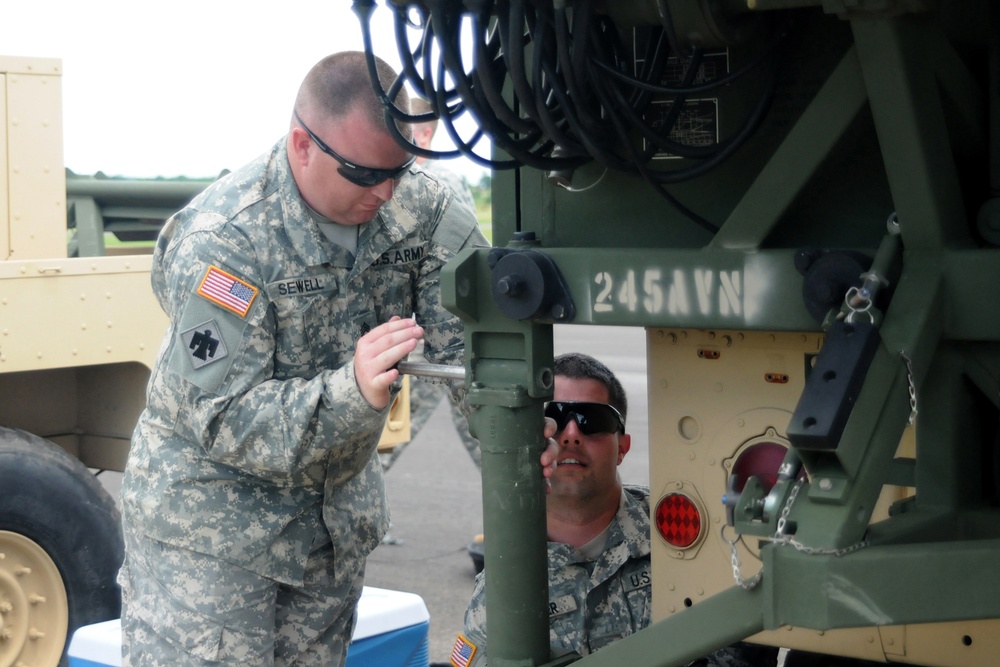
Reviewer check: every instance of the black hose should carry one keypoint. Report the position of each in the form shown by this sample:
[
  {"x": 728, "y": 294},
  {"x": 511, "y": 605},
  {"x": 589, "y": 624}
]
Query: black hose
[{"x": 576, "y": 98}]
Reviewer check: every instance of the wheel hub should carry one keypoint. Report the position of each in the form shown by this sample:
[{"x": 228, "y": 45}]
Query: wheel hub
[{"x": 34, "y": 613}]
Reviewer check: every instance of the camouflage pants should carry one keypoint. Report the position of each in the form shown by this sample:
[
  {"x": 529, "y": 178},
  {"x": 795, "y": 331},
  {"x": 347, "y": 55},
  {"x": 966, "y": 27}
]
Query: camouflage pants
[{"x": 182, "y": 608}]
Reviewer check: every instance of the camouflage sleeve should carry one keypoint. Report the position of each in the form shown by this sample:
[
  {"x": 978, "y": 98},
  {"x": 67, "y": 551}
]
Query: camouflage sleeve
[
  {"x": 454, "y": 230},
  {"x": 231, "y": 404},
  {"x": 473, "y": 637}
]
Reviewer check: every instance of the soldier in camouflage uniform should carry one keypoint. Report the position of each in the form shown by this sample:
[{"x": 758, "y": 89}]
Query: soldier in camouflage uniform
[
  {"x": 423, "y": 135},
  {"x": 253, "y": 493},
  {"x": 598, "y": 529},
  {"x": 425, "y": 395}
]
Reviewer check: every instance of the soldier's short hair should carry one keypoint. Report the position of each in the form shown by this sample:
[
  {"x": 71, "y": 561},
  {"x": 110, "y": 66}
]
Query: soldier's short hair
[
  {"x": 581, "y": 366},
  {"x": 340, "y": 83}
]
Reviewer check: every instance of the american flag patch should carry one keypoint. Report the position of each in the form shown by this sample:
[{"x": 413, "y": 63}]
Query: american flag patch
[
  {"x": 228, "y": 291},
  {"x": 462, "y": 654}
]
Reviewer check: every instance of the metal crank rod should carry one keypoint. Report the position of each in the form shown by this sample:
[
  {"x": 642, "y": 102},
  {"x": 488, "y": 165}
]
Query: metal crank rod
[{"x": 426, "y": 369}]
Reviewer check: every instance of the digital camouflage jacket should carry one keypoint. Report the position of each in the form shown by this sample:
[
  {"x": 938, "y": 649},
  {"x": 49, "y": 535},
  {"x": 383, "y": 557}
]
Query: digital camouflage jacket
[
  {"x": 256, "y": 441},
  {"x": 591, "y": 603}
]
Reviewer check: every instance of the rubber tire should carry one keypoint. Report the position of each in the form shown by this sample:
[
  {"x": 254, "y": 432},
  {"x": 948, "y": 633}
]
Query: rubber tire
[{"x": 51, "y": 498}]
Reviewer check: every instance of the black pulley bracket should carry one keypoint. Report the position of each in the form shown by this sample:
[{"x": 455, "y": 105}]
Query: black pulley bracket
[{"x": 527, "y": 285}]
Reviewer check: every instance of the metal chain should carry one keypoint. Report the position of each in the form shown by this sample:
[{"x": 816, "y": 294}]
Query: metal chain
[
  {"x": 912, "y": 388},
  {"x": 786, "y": 510},
  {"x": 745, "y": 584},
  {"x": 781, "y": 538},
  {"x": 813, "y": 551}
]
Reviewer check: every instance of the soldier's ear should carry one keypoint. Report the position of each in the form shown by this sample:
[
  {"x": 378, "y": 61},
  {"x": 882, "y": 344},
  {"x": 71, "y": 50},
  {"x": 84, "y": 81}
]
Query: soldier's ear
[
  {"x": 299, "y": 145},
  {"x": 624, "y": 444}
]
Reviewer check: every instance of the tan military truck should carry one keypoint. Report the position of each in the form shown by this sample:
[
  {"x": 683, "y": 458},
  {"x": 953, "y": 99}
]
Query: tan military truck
[{"x": 79, "y": 332}]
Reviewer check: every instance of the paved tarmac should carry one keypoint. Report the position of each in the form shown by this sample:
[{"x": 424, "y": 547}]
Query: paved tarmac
[{"x": 436, "y": 495}]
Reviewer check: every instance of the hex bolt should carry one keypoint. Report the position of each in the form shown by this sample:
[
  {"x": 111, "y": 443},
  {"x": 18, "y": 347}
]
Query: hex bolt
[
  {"x": 825, "y": 484},
  {"x": 510, "y": 286},
  {"x": 35, "y": 633},
  {"x": 35, "y": 598}
]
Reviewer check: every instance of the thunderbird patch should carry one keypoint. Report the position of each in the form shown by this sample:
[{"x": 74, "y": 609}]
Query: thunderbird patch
[
  {"x": 228, "y": 291},
  {"x": 204, "y": 344}
]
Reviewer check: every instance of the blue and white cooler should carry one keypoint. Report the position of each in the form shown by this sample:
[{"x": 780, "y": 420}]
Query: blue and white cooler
[{"x": 392, "y": 631}]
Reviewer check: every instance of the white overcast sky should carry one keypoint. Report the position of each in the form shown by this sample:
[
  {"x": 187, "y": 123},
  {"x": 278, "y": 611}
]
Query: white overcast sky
[{"x": 185, "y": 87}]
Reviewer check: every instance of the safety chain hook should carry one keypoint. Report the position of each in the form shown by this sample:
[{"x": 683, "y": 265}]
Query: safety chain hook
[
  {"x": 745, "y": 584},
  {"x": 780, "y": 537},
  {"x": 858, "y": 302}
]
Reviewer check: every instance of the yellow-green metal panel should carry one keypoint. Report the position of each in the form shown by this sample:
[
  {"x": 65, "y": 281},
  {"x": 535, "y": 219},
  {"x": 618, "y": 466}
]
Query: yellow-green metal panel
[{"x": 36, "y": 180}]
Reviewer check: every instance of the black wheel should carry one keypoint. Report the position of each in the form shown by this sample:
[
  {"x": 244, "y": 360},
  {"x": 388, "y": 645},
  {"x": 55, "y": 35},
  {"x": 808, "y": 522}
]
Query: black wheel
[{"x": 60, "y": 550}]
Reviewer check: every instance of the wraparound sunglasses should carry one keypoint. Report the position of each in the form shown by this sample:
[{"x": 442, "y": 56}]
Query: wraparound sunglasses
[
  {"x": 366, "y": 177},
  {"x": 591, "y": 418}
]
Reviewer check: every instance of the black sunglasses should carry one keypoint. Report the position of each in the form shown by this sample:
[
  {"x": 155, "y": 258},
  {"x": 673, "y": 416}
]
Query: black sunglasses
[
  {"x": 591, "y": 418},
  {"x": 366, "y": 177}
]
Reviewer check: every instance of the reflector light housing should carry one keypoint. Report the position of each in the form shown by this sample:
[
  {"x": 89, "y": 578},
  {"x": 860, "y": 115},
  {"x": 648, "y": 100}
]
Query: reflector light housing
[
  {"x": 678, "y": 520},
  {"x": 761, "y": 460}
]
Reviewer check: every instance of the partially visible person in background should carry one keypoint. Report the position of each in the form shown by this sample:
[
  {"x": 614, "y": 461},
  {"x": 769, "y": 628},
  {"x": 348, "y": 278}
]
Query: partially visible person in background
[
  {"x": 423, "y": 134},
  {"x": 426, "y": 394}
]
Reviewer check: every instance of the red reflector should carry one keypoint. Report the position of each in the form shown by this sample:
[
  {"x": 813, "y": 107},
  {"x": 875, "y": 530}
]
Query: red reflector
[
  {"x": 678, "y": 520},
  {"x": 762, "y": 461}
]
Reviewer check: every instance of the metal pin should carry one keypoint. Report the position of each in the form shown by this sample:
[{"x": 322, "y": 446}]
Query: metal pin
[{"x": 425, "y": 369}]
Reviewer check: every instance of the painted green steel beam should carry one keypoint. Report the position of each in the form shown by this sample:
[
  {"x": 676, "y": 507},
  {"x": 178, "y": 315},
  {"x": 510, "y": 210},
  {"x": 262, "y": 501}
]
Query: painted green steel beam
[
  {"x": 912, "y": 130},
  {"x": 723, "y": 619},
  {"x": 708, "y": 288},
  {"x": 824, "y": 122},
  {"x": 508, "y": 379},
  {"x": 514, "y": 523},
  {"x": 733, "y": 289},
  {"x": 882, "y": 585}
]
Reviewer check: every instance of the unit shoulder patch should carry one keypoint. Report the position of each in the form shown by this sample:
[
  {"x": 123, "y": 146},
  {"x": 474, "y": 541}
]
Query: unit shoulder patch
[
  {"x": 228, "y": 291},
  {"x": 204, "y": 344}
]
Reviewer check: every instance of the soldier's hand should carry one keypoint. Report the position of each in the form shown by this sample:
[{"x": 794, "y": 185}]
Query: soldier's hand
[
  {"x": 377, "y": 353},
  {"x": 550, "y": 454}
]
